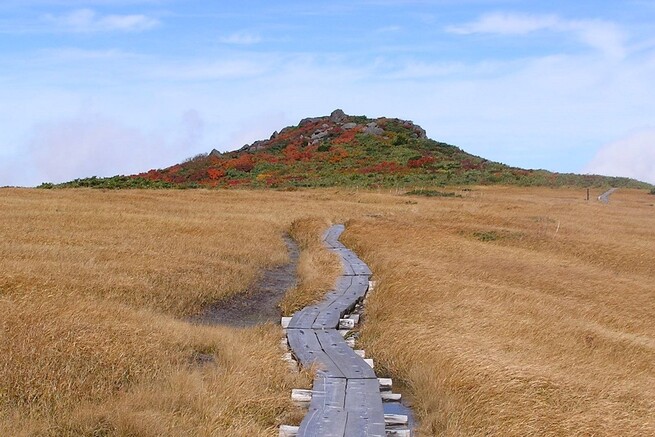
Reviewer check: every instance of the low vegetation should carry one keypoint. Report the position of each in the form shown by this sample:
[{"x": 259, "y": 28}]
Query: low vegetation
[
  {"x": 317, "y": 267},
  {"x": 507, "y": 311},
  {"x": 517, "y": 312}
]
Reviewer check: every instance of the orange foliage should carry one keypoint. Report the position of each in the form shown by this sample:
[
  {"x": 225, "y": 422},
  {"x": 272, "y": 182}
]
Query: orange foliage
[
  {"x": 295, "y": 153},
  {"x": 337, "y": 154},
  {"x": 243, "y": 163},
  {"x": 346, "y": 137},
  {"x": 215, "y": 173}
]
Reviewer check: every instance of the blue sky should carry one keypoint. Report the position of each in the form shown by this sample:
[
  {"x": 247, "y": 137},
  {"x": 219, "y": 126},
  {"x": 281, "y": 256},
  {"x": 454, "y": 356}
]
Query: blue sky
[{"x": 110, "y": 87}]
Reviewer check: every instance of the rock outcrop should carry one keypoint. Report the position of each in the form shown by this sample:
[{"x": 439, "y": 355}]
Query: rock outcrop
[{"x": 318, "y": 129}]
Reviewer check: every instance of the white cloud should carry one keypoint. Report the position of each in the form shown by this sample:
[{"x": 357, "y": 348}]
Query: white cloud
[
  {"x": 94, "y": 145},
  {"x": 604, "y": 36},
  {"x": 241, "y": 38},
  {"x": 88, "y": 20},
  {"x": 506, "y": 24},
  {"x": 204, "y": 70},
  {"x": 632, "y": 156}
]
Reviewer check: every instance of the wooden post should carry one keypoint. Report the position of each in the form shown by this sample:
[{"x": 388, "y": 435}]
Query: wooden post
[
  {"x": 387, "y": 396},
  {"x": 399, "y": 433},
  {"x": 301, "y": 396},
  {"x": 385, "y": 383},
  {"x": 288, "y": 431},
  {"x": 346, "y": 323},
  {"x": 587, "y": 193},
  {"x": 395, "y": 419}
]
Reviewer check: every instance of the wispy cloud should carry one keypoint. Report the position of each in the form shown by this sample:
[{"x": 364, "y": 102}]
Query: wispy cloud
[
  {"x": 88, "y": 20},
  {"x": 97, "y": 145},
  {"x": 241, "y": 38},
  {"x": 506, "y": 24},
  {"x": 601, "y": 35},
  {"x": 201, "y": 70},
  {"x": 632, "y": 156}
]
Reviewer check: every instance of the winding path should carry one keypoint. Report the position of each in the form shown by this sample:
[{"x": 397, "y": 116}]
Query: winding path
[{"x": 346, "y": 399}]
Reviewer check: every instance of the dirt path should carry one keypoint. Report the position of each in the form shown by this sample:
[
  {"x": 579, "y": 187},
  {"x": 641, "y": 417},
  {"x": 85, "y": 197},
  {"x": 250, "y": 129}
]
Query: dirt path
[{"x": 258, "y": 304}]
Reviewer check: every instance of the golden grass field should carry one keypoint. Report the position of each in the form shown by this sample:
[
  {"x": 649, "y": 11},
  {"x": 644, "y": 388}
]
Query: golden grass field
[{"x": 506, "y": 312}]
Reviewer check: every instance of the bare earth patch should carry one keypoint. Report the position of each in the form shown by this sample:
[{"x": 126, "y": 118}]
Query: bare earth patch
[{"x": 258, "y": 304}]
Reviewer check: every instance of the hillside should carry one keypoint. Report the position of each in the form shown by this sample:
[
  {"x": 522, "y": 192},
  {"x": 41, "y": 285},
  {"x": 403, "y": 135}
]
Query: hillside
[{"x": 344, "y": 150}]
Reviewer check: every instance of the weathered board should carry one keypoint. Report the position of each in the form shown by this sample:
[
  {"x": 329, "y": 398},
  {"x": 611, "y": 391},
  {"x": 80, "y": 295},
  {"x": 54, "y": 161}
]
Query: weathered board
[
  {"x": 324, "y": 423},
  {"x": 351, "y": 365},
  {"x": 308, "y": 350},
  {"x": 364, "y": 406},
  {"x": 304, "y": 319},
  {"x": 328, "y": 392}
]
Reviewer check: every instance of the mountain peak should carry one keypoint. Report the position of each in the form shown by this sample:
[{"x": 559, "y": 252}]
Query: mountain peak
[{"x": 314, "y": 130}]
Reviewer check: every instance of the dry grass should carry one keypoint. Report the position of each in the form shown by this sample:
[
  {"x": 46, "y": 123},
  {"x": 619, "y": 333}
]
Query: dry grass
[
  {"x": 317, "y": 267},
  {"x": 507, "y": 312},
  {"x": 518, "y": 312},
  {"x": 94, "y": 287}
]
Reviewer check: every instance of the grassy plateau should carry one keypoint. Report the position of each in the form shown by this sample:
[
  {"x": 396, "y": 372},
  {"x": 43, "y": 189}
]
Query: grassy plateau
[{"x": 505, "y": 311}]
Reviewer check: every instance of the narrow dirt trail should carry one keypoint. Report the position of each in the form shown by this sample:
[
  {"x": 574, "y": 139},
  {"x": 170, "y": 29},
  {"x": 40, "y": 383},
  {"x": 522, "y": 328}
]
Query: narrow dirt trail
[{"x": 259, "y": 303}]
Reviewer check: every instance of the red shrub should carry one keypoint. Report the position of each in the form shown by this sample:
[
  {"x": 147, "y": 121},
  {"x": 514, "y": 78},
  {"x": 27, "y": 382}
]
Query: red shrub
[
  {"x": 423, "y": 161},
  {"x": 215, "y": 173}
]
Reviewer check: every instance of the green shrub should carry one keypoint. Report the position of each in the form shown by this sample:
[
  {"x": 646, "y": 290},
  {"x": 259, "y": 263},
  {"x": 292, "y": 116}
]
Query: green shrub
[{"x": 486, "y": 235}]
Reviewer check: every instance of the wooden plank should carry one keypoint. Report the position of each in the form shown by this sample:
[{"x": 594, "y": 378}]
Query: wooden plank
[
  {"x": 353, "y": 265},
  {"x": 364, "y": 395},
  {"x": 328, "y": 392},
  {"x": 361, "y": 270},
  {"x": 328, "y": 317},
  {"x": 330, "y": 313},
  {"x": 343, "y": 284},
  {"x": 358, "y": 287},
  {"x": 364, "y": 407},
  {"x": 347, "y": 268},
  {"x": 288, "y": 431},
  {"x": 307, "y": 349},
  {"x": 304, "y": 319},
  {"x": 346, "y": 360},
  {"x": 323, "y": 423},
  {"x": 331, "y": 236}
]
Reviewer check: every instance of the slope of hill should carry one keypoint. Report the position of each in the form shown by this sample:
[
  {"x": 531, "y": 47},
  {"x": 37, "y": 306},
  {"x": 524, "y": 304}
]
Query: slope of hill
[{"x": 344, "y": 150}]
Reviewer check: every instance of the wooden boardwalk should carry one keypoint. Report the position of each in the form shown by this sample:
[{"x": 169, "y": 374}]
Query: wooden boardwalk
[{"x": 346, "y": 399}]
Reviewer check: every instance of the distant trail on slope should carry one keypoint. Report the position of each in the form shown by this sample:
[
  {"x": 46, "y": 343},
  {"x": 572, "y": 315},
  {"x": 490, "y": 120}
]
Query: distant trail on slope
[
  {"x": 605, "y": 197},
  {"x": 259, "y": 303}
]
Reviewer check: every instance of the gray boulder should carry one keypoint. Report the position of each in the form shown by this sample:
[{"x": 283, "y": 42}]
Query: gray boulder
[
  {"x": 373, "y": 129},
  {"x": 338, "y": 116}
]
